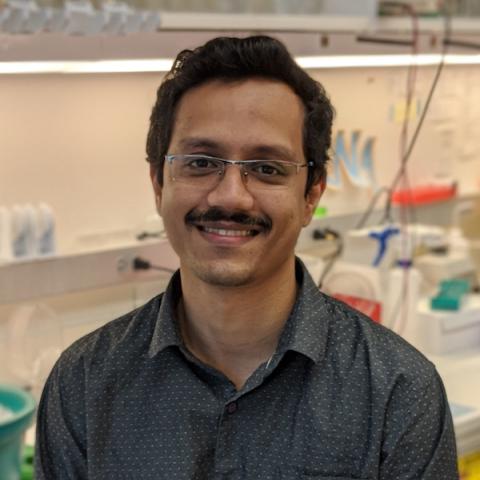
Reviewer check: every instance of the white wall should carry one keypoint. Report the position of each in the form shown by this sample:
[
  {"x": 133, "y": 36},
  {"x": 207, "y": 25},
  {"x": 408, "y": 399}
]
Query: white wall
[{"x": 78, "y": 141}]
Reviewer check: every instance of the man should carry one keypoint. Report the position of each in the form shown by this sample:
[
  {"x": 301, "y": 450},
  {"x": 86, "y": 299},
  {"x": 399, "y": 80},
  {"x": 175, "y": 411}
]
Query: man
[{"x": 242, "y": 369}]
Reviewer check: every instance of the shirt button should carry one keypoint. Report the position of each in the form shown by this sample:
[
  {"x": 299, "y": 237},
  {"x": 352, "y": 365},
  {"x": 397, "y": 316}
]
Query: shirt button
[{"x": 232, "y": 407}]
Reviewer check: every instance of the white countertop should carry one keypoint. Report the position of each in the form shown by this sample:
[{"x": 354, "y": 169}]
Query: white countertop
[{"x": 461, "y": 375}]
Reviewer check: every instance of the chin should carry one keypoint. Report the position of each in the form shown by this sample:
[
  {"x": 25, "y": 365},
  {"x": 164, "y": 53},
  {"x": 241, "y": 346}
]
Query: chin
[{"x": 224, "y": 274}]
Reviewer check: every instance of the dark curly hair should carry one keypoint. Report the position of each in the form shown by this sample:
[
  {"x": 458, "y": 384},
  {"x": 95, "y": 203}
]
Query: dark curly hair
[{"x": 231, "y": 59}]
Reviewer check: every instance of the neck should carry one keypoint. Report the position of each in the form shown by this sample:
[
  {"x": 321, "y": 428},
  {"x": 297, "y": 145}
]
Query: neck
[{"x": 236, "y": 329}]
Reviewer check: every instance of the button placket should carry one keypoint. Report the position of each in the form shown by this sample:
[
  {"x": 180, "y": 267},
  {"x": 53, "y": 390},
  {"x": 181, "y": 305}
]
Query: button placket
[{"x": 226, "y": 453}]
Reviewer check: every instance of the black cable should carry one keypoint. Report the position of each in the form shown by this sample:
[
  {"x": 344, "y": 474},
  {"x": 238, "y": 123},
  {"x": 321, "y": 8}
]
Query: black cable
[
  {"x": 140, "y": 263},
  {"x": 410, "y": 87},
  {"x": 401, "y": 171},
  {"x": 331, "y": 262},
  {"x": 384, "y": 40},
  {"x": 451, "y": 42},
  {"x": 363, "y": 220},
  {"x": 387, "y": 211},
  {"x": 329, "y": 234},
  {"x": 411, "y": 211},
  {"x": 144, "y": 235},
  {"x": 411, "y": 77},
  {"x": 410, "y": 91}
]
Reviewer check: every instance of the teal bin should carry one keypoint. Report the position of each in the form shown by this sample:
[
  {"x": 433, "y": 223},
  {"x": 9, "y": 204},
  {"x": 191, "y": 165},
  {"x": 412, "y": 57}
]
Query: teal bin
[{"x": 12, "y": 429}]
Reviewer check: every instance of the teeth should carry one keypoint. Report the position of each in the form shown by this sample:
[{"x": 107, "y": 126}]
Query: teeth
[{"x": 228, "y": 233}]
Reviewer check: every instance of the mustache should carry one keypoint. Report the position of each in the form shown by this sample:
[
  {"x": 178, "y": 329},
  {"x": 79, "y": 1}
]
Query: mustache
[{"x": 216, "y": 214}]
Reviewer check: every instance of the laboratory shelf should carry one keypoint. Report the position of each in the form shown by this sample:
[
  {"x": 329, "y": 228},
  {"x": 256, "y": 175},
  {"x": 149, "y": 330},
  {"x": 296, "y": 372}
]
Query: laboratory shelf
[
  {"x": 42, "y": 277},
  {"x": 263, "y": 22},
  {"x": 428, "y": 24},
  {"x": 179, "y": 30}
]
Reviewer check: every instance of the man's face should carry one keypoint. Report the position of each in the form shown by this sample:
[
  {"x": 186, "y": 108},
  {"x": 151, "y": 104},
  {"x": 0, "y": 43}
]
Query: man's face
[{"x": 211, "y": 230}]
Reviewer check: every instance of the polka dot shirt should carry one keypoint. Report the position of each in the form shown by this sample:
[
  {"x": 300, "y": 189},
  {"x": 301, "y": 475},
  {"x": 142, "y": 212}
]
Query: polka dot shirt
[{"x": 342, "y": 398}]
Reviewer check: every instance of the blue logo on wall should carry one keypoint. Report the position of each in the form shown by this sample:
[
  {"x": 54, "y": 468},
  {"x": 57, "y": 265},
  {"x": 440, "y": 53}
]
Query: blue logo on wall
[{"x": 358, "y": 167}]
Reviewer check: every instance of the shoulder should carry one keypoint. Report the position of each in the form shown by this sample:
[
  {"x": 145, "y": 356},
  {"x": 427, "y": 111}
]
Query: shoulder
[
  {"x": 355, "y": 340},
  {"x": 123, "y": 338}
]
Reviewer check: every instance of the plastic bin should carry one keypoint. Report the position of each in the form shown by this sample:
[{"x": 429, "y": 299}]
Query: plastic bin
[{"x": 12, "y": 429}]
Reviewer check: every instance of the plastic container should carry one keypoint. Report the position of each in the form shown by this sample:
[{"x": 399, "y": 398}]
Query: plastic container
[
  {"x": 12, "y": 429},
  {"x": 30, "y": 213},
  {"x": 6, "y": 253},
  {"x": 401, "y": 299},
  {"x": 20, "y": 232},
  {"x": 444, "y": 332},
  {"x": 45, "y": 220},
  {"x": 450, "y": 295},
  {"x": 423, "y": 195}
]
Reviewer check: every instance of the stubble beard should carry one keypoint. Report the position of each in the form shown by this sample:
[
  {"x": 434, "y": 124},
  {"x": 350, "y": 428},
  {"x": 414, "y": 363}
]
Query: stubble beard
[{"x": 223, "y": 273}]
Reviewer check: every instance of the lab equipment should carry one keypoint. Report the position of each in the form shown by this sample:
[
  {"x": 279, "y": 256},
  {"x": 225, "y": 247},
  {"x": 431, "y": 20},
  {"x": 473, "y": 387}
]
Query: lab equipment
[{"x": 446, "y": 331}]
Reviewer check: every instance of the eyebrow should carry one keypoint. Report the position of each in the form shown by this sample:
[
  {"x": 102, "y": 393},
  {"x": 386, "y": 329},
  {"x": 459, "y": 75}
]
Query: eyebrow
[
  {"x": 198, "y": 142},
  {"x": 274, "y": 151}
]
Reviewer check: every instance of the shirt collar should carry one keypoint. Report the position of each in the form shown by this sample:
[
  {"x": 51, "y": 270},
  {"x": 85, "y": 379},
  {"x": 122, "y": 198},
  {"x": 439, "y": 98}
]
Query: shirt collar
[
  {"x": 166, "y": 332},
  {"x": 305, "y": 331}
]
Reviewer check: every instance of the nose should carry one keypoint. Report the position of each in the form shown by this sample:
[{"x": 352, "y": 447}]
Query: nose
[{"x": 231, "y": 192}]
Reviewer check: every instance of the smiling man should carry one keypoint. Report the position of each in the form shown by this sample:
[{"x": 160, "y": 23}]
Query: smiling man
[{"x": 242, "y": 369}]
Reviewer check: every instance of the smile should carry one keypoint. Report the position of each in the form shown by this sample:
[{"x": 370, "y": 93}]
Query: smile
[{"x": 230, "y": 232}]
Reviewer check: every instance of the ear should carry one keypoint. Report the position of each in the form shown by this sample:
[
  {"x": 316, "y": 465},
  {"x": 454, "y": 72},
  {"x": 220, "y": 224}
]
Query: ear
[
  {"x": 311, "y": 200},
  {"x": 157, "y": 189}
]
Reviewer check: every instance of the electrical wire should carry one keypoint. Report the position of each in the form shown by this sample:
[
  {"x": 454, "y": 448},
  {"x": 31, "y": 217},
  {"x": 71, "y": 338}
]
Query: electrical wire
[
  {"x": 406, "y": 149},
  {"x": 403, "y": 146},
  {"x": 400, "y": 322},
  {"x": 157, "y": 234},
  {"x": 368, "y": 212},
  {"x": 387, "y": 215},
  {"x": 332, "y": 258},
  {"x": 433, "y": 87},
  {"x": 410, "y": 90},
  {"x": 140, "y": 263}
]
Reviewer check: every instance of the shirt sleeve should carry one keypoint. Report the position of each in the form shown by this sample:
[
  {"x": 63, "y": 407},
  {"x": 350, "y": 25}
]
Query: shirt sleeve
[
  {"x": 60, "y": 447},
  {"x": 419, "y": 440}
]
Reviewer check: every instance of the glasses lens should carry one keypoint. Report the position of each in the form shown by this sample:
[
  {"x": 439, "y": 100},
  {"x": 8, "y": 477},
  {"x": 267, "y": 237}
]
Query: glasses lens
[
  {"x": 270, "y": 173},
  {"x": 195, "y": 169},
  {"x": 206, "y": 172}
]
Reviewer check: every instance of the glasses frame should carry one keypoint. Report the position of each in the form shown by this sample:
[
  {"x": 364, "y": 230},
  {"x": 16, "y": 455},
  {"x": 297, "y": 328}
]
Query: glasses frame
[{"x": 170, "y": 158}]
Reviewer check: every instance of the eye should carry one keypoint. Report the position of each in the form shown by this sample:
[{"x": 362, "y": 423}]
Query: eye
[
  {"x": 199, "y": 165},
  {"x": 200, "y": 162},
  {"x": 268, "y": 169}
]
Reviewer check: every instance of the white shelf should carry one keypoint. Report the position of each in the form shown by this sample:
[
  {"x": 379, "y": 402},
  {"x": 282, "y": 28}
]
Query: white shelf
[
  {"x": 42, "y": 277},
  {"x": 434, "y": 25},
  {"x": 307, "y": 23},
  {"x": 263, "y": 22},
  {"x": 180, "y": 30}
]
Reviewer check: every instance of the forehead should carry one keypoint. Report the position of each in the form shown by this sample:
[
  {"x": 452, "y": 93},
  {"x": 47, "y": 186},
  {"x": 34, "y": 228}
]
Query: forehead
[{"x": 240, "y": 114}]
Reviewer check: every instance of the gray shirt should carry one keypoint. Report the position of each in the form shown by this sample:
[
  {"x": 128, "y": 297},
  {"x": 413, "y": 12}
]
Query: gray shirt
[{"x": 342, "y": 398}]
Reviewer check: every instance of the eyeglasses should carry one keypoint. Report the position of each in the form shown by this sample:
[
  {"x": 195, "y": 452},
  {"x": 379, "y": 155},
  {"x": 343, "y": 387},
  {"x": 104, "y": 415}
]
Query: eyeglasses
[{"x": 206, "y": 172}]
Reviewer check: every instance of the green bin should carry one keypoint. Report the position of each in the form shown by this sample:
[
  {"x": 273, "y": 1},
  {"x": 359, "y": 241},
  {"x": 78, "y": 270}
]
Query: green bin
[{"x": 12, "y": 428}]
